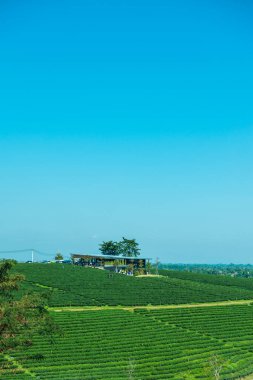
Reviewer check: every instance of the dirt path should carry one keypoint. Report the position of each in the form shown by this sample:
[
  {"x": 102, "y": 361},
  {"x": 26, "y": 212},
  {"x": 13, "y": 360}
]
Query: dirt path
[{"x": 150, "y": 307}]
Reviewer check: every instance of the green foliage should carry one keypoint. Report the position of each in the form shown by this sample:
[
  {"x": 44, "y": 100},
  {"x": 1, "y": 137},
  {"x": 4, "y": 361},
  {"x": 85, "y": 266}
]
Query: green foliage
[
  {"x": 58, "y": 256},
  {"x": 74, "y": 285},
  {"x": 215, "y": 366},
  {"x": 126, "y": 247},
  {"x": 109, "y": 248},
  {"x": 157, "y": 344},
  {"x": 8, "y": 282},
  {"x": 233, "y": 270},
  {"x": 19, "y": 317},
  {"x": 129, "y": 247},
  {"x": 147, "y": 345},
  {"x": 214, "y": 279}
]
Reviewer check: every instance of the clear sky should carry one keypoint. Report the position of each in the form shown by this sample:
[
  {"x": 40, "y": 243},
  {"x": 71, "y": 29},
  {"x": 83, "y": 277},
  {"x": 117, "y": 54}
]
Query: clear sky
[{"x": 127, "y": 118}]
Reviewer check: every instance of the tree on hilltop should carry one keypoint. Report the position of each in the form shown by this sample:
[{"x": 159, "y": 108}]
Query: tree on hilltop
[
  {"x": 125, "y": 248},
  {"x": 58, "y": 256},
  {"x": 129, "y": 247},
  {"x": 110, "y": 248}
]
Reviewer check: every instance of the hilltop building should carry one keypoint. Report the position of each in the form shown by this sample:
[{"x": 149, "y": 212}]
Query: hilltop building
[{"x": 108, "y": 262}]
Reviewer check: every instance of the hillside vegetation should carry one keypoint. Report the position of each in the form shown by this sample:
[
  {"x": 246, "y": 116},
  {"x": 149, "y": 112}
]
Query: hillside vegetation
[
  {"x": 244, "y": 283},
  {"x": 78, "y": 286},
  {"x": 146, "y": 344},
  {"x": 142, "y": 343}
]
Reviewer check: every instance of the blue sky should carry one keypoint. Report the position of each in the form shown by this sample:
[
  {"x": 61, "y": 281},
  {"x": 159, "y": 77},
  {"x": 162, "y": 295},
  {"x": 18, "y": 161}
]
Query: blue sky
[{"x": 127, "y": 118}]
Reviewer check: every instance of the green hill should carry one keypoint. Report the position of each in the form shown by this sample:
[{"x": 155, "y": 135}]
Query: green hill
[
  {"x": 143, "y": 343},
  {"x": 78, "y": 286},
  {"x": 146, "y": 344},
  {"x": 244, "y": 283}
]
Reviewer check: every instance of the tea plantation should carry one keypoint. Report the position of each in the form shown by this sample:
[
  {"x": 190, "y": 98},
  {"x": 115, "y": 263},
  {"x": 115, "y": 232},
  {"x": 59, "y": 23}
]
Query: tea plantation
[
  {"x": 155, "y": 344},
  {"x": 245, "y": 283},
  {"x": 78, "y": 286},
  {"x": 136, "y": 341}
]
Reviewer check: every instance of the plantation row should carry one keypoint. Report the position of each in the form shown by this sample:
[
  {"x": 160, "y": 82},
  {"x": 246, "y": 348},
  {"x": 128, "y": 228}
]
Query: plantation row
[
  {"x": 244, "y": 283},
  {"x": 10, "y": 371},
  {"x": 111, "y": 344},
  {"x": 78, "y": 286},
  {"x": 233, "y": 324}
]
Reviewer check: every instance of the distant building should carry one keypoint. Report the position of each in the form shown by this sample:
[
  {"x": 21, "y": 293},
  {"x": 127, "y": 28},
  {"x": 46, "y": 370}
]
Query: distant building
[{"x": 108, "y": 262}]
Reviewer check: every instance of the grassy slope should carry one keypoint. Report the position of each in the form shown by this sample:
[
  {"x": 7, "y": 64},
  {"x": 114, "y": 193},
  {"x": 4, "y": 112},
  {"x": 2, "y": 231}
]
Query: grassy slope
[
  {"x": 77, "y": 286},
  {"x": 244, "y": 283},
  {"x": 157, "y": 344}
]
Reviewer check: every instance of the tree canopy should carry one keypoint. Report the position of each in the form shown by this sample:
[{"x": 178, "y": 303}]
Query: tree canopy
[
  {"x": 58, "y": 256},
  {"x": 20, "y": 317},
  {"x": 125, "y": 248},
  {"x": 129, "y": 247},
  {"x": 109, "y": 248}
]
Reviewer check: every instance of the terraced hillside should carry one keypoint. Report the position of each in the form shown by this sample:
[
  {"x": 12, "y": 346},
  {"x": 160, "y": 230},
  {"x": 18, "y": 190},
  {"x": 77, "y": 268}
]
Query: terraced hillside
[
  {"x": 142, "y": 344},
  {"x": 78, "y": 286},
  {"x": 244, "y": 283},
  {"x": 111, "y": 331}
]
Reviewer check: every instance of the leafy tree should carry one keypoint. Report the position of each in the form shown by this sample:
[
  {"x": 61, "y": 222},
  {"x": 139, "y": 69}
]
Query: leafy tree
[
  {"x": 109, "y": 248},
  {"x": 58, "y": 256},
  {"x": 20, "y": 317},
  {"x": 129, "y": 247}
]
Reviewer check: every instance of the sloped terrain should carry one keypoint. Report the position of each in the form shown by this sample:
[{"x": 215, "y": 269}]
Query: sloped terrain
[
  {"x": 77, "y": 286},
  {"x": 137, "y": 341},
  {"x": 156, "y": 344}
]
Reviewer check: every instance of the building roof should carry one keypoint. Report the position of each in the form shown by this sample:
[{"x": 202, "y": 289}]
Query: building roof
[{"x": 77, "y": 255}]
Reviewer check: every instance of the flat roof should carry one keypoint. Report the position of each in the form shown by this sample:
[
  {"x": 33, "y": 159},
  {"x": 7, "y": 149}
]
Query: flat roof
[{"x": 110, "y": 256}]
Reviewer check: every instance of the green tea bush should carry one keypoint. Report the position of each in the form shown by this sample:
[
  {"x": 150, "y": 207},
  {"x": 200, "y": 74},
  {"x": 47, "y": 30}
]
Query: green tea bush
[{"x": 77, "y": 286}]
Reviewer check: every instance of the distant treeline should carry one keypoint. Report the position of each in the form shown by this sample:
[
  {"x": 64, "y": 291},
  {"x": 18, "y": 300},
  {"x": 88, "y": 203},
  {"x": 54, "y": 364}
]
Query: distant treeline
[{"x": 234, "y": 270}]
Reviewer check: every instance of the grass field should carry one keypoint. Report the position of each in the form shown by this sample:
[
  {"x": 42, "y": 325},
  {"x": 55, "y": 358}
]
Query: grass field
[{"x": 137, "y": 340}]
